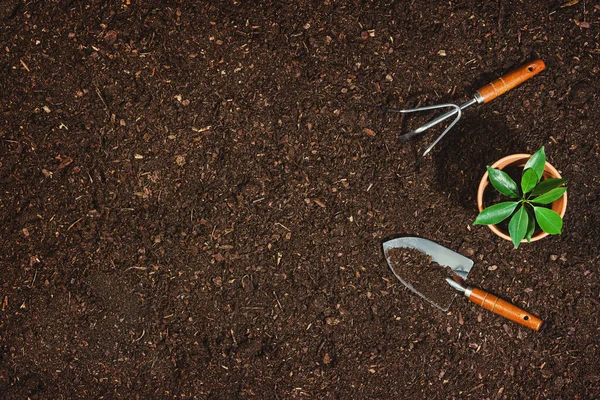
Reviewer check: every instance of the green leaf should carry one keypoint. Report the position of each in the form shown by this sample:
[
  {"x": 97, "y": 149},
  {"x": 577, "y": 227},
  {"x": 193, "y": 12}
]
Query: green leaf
[
  {"x": 517, "y": 227},
  {"x": 503, "y": 183},
  {"x": 548, "y": 220},
  {"x": 547, "y": 185},
  {"x": 550, "y": 196},
  {"x": 530, "y": 226},
  {"x": 496, "y": 213},
  {"x": 537, "y": 162},
  {"x": 529, "y": 180}
]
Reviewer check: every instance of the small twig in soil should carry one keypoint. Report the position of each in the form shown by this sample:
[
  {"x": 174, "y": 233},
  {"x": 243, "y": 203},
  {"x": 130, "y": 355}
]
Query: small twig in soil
[
  {"x": 34, "y": 277},
  {"x": 274, "y": 294},
  {"x": 103, "y": 101},
  {"x": 283, "y": 226},
  {"x": 387, "y": 148},
  {"x": 321, "y": 346},
  {"x": 74, "y": 223},
  {"x": 25, "y": 65},
  {"x": 141, "y": 336}
]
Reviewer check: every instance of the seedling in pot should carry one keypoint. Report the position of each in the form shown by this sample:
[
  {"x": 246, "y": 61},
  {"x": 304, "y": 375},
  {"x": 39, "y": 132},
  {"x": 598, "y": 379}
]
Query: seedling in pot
[{"x": 528, "y": 206}]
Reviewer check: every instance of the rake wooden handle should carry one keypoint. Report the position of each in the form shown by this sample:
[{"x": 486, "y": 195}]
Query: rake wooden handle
[
  {"x": 504, "y": 309},
  {"x": 511, "y": 80}
]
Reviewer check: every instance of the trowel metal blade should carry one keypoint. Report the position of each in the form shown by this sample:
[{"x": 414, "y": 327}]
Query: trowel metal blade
[{"x": 459, "y": 264}]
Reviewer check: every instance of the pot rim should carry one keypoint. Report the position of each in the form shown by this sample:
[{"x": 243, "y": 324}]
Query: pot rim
[{"x": 559, "y": 205}]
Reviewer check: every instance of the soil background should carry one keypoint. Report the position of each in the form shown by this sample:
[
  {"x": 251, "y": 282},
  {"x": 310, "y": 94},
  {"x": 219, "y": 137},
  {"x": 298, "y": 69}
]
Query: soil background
[{"x": 194, "y": 196}]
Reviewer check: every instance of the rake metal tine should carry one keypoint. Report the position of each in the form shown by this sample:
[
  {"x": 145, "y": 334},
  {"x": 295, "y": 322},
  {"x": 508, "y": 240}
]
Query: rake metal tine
[
  {"x": 455, "y": 109},
  {"x": 458, "y": 115}
]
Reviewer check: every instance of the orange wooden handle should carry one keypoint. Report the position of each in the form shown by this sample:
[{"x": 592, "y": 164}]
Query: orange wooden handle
[
  {"x": 511, "y": 80},
  {"x": 505, "y": 309}
]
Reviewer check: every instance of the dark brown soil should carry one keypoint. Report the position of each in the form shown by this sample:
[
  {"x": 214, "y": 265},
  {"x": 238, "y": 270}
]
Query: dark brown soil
[
  {"x": 194, "y": 197},
  {"x": 426, "y": 277}
]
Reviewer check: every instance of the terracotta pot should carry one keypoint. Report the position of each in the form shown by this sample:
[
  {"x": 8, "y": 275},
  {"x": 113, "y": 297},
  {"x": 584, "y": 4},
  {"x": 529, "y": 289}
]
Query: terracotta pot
[{"x": 519, "y": 160}]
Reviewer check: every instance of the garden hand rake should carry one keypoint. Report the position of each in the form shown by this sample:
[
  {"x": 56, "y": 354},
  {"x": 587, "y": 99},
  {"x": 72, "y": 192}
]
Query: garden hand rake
[{"x": 484, "y": 95}]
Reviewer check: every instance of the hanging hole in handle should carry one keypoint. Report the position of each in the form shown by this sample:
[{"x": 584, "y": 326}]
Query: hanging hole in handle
[
  {"x": 526, "y": 317},
  {"x": 530, "y": 68}
]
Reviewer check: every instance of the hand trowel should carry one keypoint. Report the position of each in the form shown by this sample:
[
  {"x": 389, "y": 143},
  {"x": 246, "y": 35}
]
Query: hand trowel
[{"x": 458, "y": 268}]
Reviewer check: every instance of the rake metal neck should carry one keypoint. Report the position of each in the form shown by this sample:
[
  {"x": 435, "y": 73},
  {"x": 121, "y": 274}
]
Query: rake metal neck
[{"x": 442, "y": 117}]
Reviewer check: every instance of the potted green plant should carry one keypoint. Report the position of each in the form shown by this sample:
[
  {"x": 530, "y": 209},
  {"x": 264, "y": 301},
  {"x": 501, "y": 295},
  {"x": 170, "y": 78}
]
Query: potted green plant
[{"x": 535, "y": 207}]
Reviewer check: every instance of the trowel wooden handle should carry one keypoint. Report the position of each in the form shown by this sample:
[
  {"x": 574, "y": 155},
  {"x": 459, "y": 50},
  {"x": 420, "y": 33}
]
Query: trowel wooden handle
[
  {"x": 504, "y": 309},
  {"x": 511, "y": 80}
]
